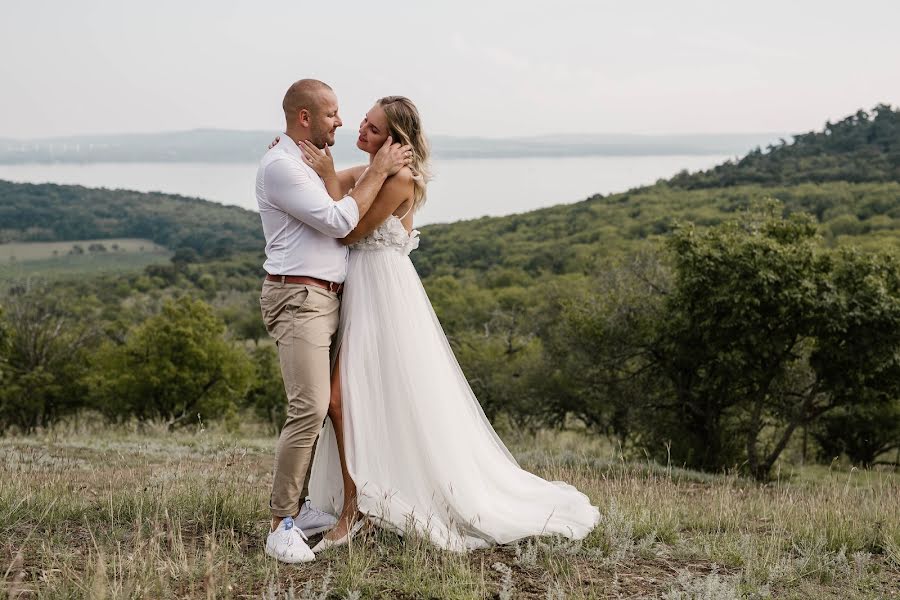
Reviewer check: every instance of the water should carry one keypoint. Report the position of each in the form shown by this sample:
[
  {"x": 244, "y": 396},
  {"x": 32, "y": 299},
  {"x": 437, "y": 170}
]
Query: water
[{"x": 462, "y": 189}]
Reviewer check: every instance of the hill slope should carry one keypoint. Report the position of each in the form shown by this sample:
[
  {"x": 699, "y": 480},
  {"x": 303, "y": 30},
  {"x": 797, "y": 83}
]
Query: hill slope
[
  {"x": 862, "y": 147},
  {"x": 848, "y": 176},
  {"x": 50, "y": 213}
]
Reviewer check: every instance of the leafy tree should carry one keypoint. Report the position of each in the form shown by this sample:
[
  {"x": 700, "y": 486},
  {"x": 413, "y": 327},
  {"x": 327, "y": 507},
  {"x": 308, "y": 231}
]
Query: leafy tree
[
  {"x": 5, "y": 372},
  {"x": 173, "y": 366},
  {"x": 504, "y": 367},
  {"x": 598, "y": 354},
  {"x": 44, "y": 346},
  {"x": 763, "y": 334},
  {"x": 863, "y": 433}
]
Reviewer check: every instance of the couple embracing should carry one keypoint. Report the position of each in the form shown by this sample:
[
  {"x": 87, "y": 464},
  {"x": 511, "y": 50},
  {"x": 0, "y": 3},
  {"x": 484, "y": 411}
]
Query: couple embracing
[{"x": 405, "y": 445}]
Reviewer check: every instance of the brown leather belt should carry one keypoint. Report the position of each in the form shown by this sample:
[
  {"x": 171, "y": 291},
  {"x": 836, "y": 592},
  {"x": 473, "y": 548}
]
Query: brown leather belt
[{"x": 331, "y": 286}]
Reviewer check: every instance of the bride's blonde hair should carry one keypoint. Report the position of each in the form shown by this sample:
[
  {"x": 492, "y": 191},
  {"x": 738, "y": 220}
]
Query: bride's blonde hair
[{"x": 406, "y": 128}]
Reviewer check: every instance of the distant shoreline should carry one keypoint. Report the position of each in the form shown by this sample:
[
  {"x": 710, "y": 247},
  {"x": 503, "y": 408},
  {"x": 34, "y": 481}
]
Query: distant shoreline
[
  {"x": 460, "y": 190},
  {"x": 240, "y": 147}
]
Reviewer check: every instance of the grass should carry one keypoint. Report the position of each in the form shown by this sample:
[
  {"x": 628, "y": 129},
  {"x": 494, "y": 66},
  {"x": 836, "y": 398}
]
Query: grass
[
  {"x": 123, "y": 513},
  {"x": 31, "y": 251},
  {"x": 57, "y": 259}
]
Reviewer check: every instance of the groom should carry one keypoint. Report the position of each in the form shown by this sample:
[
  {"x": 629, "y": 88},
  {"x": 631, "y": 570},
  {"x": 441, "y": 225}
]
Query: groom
[{"x": 300, "y": 300}]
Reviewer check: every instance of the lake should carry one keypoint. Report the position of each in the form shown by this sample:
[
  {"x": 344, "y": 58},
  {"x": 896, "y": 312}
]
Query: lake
[{"x": 461, "y": 189}]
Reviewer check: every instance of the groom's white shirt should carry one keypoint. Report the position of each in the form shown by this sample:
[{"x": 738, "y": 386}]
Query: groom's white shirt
[{"x": 300, "y": 220}]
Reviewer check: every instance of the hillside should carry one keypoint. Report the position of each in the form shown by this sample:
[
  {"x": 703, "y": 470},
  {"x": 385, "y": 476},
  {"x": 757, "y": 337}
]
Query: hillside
[
  {"x": 847, "y": 176},
  {"x": 569, "y": 312},
  {"x": 574, "y": 238},
  {"x": 862, "y": 147},
  {"x": 52, "y": 213}
]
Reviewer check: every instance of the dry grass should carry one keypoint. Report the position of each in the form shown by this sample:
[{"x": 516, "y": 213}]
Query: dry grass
[{"x": 114, "y": 514}]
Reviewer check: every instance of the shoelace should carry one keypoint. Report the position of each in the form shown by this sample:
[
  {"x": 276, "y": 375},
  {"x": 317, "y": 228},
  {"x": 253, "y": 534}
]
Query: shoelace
[{"x": 288, "y": 523}]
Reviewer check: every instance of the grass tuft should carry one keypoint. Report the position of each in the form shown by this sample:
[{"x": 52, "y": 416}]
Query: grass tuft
[{"x": 141, "y": 513}]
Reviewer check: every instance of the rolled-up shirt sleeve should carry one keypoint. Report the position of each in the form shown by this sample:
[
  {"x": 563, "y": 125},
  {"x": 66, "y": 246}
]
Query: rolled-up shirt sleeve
[{"x": 290, "y": 188}]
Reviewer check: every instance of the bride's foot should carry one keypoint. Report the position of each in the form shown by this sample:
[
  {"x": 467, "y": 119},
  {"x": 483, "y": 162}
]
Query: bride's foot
[
  {"x": 346, "y": 521},
  {"x": 346, "y": 528}
]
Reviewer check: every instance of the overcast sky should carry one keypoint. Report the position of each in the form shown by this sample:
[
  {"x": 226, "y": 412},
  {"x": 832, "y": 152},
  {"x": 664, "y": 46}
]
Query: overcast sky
[{"x": 490, "y": 67}]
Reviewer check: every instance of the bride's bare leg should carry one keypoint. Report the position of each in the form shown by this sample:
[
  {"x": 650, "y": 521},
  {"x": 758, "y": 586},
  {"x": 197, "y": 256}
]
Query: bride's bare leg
[{"x": 336, "y": 414}]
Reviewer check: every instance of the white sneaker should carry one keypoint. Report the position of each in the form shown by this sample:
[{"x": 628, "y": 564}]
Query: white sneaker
[
  {"x": 311, "y": 520},
  {"x": 288, "y": 544}
]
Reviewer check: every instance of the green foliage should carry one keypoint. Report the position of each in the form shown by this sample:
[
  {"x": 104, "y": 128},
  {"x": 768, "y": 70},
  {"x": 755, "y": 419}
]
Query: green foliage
[
  {"x": 48, "y": 212},
  {"x": 708, "y": 343},
  {"x": 863, "y": 432},
  {"x": 504, "y": 363},
  {"x": 580, "y": 238},
  {"x": 743, "y": 297},
  {"x": 176, "y": 366},
  {"x": 43, "y": 349},
  {"x": 597, "y": 350},
  {"x": 863, "y": 147},
  {"x": 715, "y": 356}
]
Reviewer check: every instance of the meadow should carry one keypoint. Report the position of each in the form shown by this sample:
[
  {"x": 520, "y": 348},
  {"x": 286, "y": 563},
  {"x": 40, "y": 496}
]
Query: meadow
[
  {"x": 127, "y": 512},
  {"x": 627, "y": 317},
  {"x": 78, "y": 257}
]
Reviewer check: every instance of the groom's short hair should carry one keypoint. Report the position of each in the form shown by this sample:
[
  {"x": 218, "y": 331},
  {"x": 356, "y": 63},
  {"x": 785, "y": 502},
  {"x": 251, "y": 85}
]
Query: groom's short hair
[{"x": 304, "y": 93}]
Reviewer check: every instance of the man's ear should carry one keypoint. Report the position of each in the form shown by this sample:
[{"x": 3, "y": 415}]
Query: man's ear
[{"x": 303, "y": 117}]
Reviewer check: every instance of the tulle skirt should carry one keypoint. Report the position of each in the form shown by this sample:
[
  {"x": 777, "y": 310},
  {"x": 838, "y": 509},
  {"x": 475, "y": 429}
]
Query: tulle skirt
[{"x": 419, "y": 448}]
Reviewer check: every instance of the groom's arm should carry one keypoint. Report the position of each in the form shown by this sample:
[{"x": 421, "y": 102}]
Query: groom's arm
[{"x": 289, "y": 187}]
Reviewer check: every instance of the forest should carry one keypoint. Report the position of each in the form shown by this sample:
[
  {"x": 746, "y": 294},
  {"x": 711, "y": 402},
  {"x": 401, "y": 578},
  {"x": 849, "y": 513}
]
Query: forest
[{"x": 727, "y": 319}]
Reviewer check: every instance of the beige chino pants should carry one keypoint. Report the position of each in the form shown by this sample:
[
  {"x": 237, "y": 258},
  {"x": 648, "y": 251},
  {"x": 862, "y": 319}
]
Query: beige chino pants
[{"x": 302, "y": 319}]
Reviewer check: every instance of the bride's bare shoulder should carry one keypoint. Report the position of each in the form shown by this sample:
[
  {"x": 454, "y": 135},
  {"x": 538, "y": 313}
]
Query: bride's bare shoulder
[
  {"x": 404, "y": 175},
  {"x": 399, "y": 184}
]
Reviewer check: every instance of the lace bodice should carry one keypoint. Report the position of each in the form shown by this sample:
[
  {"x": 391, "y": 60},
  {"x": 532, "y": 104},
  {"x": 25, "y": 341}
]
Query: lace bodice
[{"x": 390, "y": 235}]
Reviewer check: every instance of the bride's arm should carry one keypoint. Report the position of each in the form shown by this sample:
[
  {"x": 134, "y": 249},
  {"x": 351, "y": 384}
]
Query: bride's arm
[
  {"x": 395, "y": 191},
  {"x": 338, "y": 183},
  {"x": 347, "y": 178}
]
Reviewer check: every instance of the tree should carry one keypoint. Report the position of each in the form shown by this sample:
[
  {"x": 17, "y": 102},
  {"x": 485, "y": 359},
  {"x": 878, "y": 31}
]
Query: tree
[
  {"x": 46, "y": 340},
  {"x": 175, "y": 366},
  {"x": 600, "y": 367},
  {"x": 755, "y": 331},
  {"x": 764, "y": 333},
  {"x": 863, "y": 433}
]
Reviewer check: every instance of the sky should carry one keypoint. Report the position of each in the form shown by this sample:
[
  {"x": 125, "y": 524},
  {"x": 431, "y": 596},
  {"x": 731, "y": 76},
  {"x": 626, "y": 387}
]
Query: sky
[{"x": 490, "y": 68}]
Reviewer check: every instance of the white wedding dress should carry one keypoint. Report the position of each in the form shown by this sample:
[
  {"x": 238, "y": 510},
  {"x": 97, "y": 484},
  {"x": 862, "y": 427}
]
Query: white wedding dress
[{"x": 419, "y": 448}]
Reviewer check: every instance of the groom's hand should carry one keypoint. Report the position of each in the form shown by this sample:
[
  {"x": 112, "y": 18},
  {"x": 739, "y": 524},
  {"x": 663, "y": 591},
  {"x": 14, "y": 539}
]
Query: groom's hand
[{"x": 391, "y": 157}]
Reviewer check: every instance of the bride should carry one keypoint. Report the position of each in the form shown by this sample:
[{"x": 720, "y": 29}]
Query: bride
[{"x": 407, "y": 444}]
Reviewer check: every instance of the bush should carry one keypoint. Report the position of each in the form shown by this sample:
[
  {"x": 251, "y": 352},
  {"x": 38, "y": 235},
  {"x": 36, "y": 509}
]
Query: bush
[
  {"x": 43, "y": 348},
  {"x": 175, "y": 366}
]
